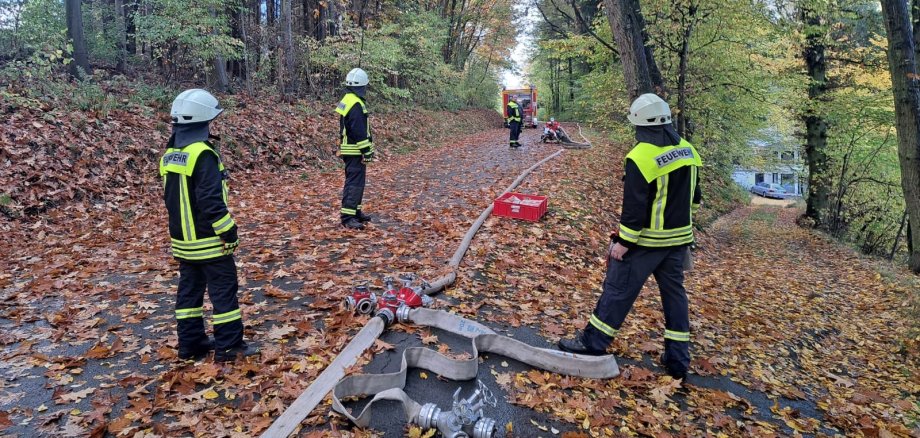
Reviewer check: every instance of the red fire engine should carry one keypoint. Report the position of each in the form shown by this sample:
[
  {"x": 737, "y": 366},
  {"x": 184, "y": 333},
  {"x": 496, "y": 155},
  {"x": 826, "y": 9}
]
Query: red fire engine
[{"x": 527, "y": 97}]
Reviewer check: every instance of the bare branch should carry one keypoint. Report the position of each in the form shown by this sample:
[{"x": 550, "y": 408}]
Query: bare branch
[{"x": 588, "y": 27}]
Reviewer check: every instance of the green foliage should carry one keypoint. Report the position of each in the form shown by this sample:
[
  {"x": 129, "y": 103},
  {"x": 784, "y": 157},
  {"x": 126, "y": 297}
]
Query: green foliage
[
  {"x": 732, "y": 81},
  {"x": 479, "y": 87},
  {"x": 403, "y": 46},
  {"x": 187, "y": 33},
  {"x": 863, "y": 174},
  {"x": 401, "y": 60},
  {"x": 35, "y": 83},
  {"x": 102, "y": 35},
  {"x": 43, "y": 25},
  {"x": 31, "y": 81}
]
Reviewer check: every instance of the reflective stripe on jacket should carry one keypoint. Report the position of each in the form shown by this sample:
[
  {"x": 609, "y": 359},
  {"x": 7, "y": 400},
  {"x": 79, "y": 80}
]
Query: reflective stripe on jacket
[
  {"x": 354, "y": 126},
  {"x": 513, "y": 112},
  {"x": 660, "y": 194},
  {"x": 195, "y": 192}
]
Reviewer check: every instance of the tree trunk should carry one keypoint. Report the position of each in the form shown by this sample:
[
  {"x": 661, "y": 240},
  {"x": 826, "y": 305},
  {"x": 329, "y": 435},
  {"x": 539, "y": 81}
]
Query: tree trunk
[
  {"x": 334, "y": 18},
  {"x": 897, "y": 237},
  {"x": 910, "y": 239},
  {"x": 557, "y": 90},
  {"x": 129, "y": 10},
  {"x": 320, "y": 29},
  {"x": 247, "y": 68},
  {"x": 80, "y": 64},
  {"x": 906, "y": 88},
  {"x": 571, "y": 83},
  {"x": 639, "y": 68},
  {"x": 915, "y": 14},
  {"x": 683, "y": 71},
  {"x": 818, "y": 200},
  {"x": 288, "y": 90},
  {"x": 122, "y": 37},
  {"x": 220, "y": 68}
]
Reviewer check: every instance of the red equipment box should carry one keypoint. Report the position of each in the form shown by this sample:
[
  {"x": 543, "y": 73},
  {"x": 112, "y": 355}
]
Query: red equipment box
[{"x": 520, "y": 206}]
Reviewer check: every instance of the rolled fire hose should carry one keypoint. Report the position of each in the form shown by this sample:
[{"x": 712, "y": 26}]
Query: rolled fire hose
[
  {"x": 330, "y": 377},
  {"x": 569, "y": 144},
  {"x": 389, "y": 386}
]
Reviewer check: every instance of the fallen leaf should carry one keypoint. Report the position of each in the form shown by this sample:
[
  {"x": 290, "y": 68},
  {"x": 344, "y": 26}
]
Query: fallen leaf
[
  {"x": 279, "y": 332},
  {"x": 5, "y": 420},
  {"x": 75, "y": 396}
]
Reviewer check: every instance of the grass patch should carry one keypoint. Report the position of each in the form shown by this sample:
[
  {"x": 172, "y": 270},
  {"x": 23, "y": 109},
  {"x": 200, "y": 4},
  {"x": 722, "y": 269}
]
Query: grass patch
[
  {"x": 765, "y": 215},
  {"x": 720, "y": 196},
  {"x": 798, "y": 204},
  {"x": 6, "y": 200}
]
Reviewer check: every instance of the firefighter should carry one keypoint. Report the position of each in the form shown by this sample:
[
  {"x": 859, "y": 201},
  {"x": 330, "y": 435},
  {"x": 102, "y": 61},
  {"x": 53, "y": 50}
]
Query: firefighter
[
  {"x": 551, "y": 129},
  {"x": 356, "y": 148},
  {"x": 514, "y": 119},
  {"x": 661, "y": 193},
  {"x": 204, "y": 234}
]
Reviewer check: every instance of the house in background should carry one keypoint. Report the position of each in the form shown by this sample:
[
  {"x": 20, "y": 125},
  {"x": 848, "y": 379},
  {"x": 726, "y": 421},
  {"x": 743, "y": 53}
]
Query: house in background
[{"x": 778, "y": 163}]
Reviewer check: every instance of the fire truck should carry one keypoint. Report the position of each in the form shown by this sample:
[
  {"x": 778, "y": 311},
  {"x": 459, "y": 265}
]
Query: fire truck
[{"x": 527, "y": 97}]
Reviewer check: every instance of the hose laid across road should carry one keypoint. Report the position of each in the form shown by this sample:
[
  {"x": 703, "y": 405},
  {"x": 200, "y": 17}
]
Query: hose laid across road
[
  {"x": 389, "y": 386},
  {"x": 567, "y": 142},
  {"x": 446, "y": 280}
]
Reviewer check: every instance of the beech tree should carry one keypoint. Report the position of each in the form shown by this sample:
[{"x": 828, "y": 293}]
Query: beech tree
[{"x": 902, "y": 63}]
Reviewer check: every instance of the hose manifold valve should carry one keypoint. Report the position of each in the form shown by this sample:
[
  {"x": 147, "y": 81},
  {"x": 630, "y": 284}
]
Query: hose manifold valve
[
  {"x": 361, "y": 300},
  {"x": 465, "y": 419}
]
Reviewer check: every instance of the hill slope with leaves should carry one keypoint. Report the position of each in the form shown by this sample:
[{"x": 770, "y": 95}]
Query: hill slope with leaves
[
  {"x": 88, "y": 333},
  {"x": 55, "y": 155}
]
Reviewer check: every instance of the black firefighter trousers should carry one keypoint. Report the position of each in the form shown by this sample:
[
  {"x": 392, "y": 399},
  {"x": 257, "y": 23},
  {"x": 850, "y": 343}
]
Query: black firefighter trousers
[
  {"x": 622, "y": 285},
  {"x": 353, "y": 193},
  {"x": 218, "y": 276},
  {"x": 515, "y": 133}
]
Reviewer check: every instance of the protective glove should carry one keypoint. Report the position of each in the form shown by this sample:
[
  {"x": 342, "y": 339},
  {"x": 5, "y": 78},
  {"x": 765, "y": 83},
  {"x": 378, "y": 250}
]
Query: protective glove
[
  {"x": 230, "y": 247},
  {"x": 614, "y": 238},
  {"x": 368, "y": 157},
  {"x": 231, "y": 241}
]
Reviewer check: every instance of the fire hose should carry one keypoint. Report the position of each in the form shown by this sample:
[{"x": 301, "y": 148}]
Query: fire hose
[
  {"x": 484, "y": 340},
  {"x": 446, "y": 280},
  {"x": 389, "y": 386},
  {"x": 567, "y": 142}
]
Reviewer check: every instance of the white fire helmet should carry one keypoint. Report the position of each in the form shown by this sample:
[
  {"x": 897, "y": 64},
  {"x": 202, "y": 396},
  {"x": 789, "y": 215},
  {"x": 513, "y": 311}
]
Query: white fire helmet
[
  {"x": 649, "y": 110},
  {"x": 194, "y": 106},
  {"x": 356, "y": 78}
]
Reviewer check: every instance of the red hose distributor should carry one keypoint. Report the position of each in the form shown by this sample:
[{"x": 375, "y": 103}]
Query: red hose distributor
[
  {"x": 389, "y": 303},
  {"x": 361, "y": 300}
]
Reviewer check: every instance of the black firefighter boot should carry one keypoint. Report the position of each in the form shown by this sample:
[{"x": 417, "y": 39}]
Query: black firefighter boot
[
  {"x": 363, "y": 217},
  {"x": 577, "y": 346},
  {"x": 243, "y": 350},
  {"x": 353, "y": 223},
  {"x": 196, "y": 351},
  {"x": 674, "y": 372}
]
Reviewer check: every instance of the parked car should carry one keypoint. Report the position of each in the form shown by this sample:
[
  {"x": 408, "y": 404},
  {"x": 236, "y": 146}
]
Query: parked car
[{"x": 769, "y": 190}]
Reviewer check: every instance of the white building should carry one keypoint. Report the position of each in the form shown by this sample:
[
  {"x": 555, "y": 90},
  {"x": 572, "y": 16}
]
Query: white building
[{"x": 780, "y": 164}]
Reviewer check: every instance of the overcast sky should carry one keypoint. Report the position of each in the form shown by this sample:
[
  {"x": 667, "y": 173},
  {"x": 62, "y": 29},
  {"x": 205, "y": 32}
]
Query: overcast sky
[{"x": 526, "y": 15}]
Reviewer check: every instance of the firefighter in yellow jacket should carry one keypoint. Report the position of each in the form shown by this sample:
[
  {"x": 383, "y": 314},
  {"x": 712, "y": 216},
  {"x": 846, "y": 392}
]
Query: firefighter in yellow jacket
[
  {"x": 356, "y": 148},
  {"x": 204, "y": 234},
  {"x": 661, "y": 192},
  {"x": 514, "y": 119}
]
